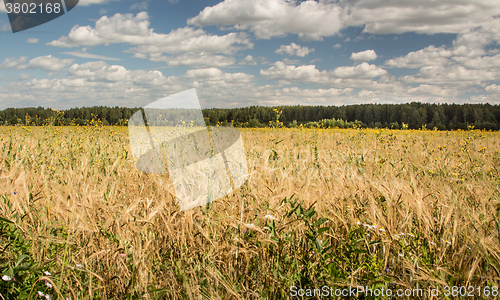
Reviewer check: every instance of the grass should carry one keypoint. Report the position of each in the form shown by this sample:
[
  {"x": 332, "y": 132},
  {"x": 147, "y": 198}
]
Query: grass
[{"x": 335, "y": 207}]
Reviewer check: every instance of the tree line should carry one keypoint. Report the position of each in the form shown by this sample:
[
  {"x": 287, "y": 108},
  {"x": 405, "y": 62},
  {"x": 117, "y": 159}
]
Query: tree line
[{"x": 410, "y": 115}]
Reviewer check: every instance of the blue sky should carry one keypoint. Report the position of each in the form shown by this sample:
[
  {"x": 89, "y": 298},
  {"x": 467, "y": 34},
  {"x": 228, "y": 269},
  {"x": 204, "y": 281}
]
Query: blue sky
[{"x": 261, "y": 52}]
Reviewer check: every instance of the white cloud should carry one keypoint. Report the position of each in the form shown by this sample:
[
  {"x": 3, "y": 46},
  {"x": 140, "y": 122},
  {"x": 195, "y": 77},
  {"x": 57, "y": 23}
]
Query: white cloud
[
  {"x": 90, "y": 2},
  {"x": 306, "y": 73},
  {"x": 294, "y": 49},
  {"x": 214, "y": 74},
  {"x": 292, "y": 61},
  {"x": 452, "y": 75},
  {"x": 89, "y": 55},
  {"x": 425, "y": 16},
  {"x": 205, "y": 59},
  {"x": 494, "y": 89},
  {"x": 102, "y": 72},
  {"x": 189, "y": 40},
  {"x": 363, "y": 55},
  {"x": 313, "y": 20},
  {"x": 49, "y": 63},
  {"x": 141, "y": 5},
  {"x": 434, "y": 90},
  {"x": 268, "y": 18},
  {"x": 337, "y": 46},
  {"x": 363, "y": 70},
  {"x": 135, "y": 30},
  {"x": 430, "y": 56},
  {"x": 341, "y": 76},
  {"x": 485, "y": 62},
  {"x": 13, "y": 63},
  {"x": 32, "y": 40},
  {"x": 248, "y": 60}
]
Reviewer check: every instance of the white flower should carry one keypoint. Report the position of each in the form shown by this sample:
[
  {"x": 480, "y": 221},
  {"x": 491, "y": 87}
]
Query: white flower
[
  {"x": 265, "y": 227},
  {"x": 382, "y": 229},
  {"x": 402, "y": 234},
  {"x": 358, "y": 222},
  {"x": 48, "y": 284},
  {"x": 269, "y": 217},
  {"x": 435, "y": 219},
  {"x": 48, "y": 297},
  {"x": 401, "y": 254},
  {"x": 396, "y": 236},
  {"x": 47, "y": 273},
  {"x": 349, "y": 207},
  {"x": 41, "y": 294},
  {"x": 79, "y": 266},
  {"x": 250, "y": 225},
  {"x": 432, "y": 243},
  {"x": 411, "y": 235},
  {"x": 32, "y": 156},
  {"x": 6, "y": 278}
]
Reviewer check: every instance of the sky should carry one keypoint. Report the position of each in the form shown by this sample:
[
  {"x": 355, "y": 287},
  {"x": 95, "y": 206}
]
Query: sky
[{"x": 239, "y": 53}]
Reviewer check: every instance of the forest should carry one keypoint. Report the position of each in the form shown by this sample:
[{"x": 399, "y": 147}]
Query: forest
[{"x": 413, "y": 115}]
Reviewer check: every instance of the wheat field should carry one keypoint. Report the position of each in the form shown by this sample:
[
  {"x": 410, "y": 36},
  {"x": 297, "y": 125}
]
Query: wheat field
[{"x": 334, "y": 207}]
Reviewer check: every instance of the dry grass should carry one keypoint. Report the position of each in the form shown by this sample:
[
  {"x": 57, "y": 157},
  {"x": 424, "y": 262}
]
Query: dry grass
[{"x": 107, "y": 231}]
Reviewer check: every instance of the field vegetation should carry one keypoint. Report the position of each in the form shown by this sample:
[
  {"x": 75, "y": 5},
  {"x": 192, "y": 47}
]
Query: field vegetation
[{"x": 336, "y": 207}]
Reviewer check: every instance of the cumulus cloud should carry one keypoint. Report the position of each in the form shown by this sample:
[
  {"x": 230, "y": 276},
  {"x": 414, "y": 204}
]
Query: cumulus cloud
[
  {"x": 32, "y": 40},
  {"x": 484, "y": 62},
  {"x": 294, "y": 50},
  {"x": 101, "y": 71},
  {"x": 135, "y": 30},
  {"x": 342, "y": 76},
  {"x": 204, "y": 59},
  {"x": 305, "y": 73},
  {"x": 494, "y": 89},
  {"x": 90, "y": 2},
  {"x": 49, "y": 63},
  {"x": 84, "y": 54},
  {"x": 141, "y": 5},
  {"x": 248, "y": 60},
  {"x": 364, "y": 70},
  {"x": 452, "y": 75},
  {"x": 426, "y": 16},
  {"x": 215, "y": 74},
  {"x": 363, "y": 55},
  {"x": 429, "y": 56},
  {"x": 13, "y": 63},
  {"x": 434, "y": 90},
  {"x": 311, "y": 20}
]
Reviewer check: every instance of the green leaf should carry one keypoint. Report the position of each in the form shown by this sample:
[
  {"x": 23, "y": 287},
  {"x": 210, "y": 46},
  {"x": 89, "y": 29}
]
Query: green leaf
[
  {"x": 20, "y": 259},
  {"x": 318, "y": 245},
  {"x": 6, "y": 221},
  {"x": 320, "y": 221},
  {"x": 322, "y": 229}
]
